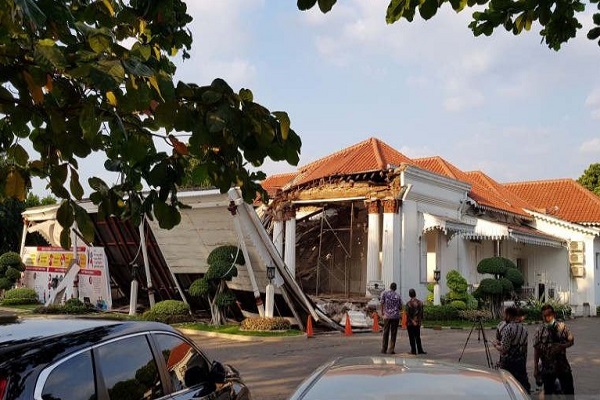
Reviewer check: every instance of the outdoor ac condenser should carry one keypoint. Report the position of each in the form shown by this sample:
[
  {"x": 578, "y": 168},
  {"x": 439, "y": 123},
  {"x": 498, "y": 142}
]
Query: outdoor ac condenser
[
  {"x": 576, "y": 246},
  {"x": 577, "y": 271},
  {"x": 576, "y": 258}
]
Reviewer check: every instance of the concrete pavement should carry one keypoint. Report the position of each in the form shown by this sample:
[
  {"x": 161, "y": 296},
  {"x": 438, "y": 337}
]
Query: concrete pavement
[{"x": 273, "y": 369}]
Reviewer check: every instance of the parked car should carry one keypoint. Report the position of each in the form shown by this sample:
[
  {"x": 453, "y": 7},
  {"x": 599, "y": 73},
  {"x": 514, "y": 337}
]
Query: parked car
[
  {"x": 98, "y": 359},
  {"x": 406, "y": 378}
]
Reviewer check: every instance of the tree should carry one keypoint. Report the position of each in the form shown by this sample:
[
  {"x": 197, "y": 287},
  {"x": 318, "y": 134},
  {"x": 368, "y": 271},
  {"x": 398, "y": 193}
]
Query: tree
[
  {"x": 84, "y": 76},
  {"x": 591, "y": 178},
  {"x": 558, "y": 18},
  {"x": 222, "y": 263},
  {"x": 507, "y": 278},
  {"x": 11, "y": 267}
]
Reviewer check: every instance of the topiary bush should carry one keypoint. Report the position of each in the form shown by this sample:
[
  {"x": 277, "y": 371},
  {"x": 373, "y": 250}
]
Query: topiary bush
[
  {"x": 226, "y": 254},
  {"x": 169, "y": 312},
  {"x": 457, "y": 286},
  {"x": 20, "y": 296},
  {"x": 495, "y": 265},
  {"x": 12, "y": 259},
  {"x": 11, "y": 267},
  {"x": 458, "y": 304},
  {"x": 265, "y": 324}
]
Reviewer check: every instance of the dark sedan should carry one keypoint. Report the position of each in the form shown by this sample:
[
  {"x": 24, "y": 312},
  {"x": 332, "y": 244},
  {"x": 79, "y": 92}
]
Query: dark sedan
[
  {"x": 406, "y": 378},
  {"x": 87, "y": 359}
]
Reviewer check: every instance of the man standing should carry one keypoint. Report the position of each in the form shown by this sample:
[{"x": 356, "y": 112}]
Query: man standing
[
  {"x": 550, "y": 350},
  {"x": 414, "y": 310},
  {"x": 512, "y": 345},
  {"x": 391, "y": 304}
]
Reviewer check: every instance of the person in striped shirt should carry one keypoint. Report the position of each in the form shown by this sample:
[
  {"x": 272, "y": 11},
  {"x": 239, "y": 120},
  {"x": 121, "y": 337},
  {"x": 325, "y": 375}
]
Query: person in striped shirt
[{"x": 513, "y": 347}]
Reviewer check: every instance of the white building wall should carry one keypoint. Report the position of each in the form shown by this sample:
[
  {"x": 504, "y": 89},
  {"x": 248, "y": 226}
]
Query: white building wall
[{"x": 410, "y": 259}]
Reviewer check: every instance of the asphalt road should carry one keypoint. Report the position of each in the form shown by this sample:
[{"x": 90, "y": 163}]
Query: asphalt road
[{"x": 273, "y": 369}]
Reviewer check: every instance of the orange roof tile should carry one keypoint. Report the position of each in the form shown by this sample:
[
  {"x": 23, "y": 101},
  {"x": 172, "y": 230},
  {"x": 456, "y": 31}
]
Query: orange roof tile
[
  {"x": 367, "y": 156},
  {"x": 562, "y": 198},
  {"x": 276, "y": 182},
  {"x": 484, "y": 190}
]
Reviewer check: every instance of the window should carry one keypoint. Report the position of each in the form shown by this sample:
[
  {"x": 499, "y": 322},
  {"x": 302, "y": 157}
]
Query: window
[
  {"x": 71, "y": 379},
  {"x": 187, "y": 368},
  {"x": 129, "y": 369}
]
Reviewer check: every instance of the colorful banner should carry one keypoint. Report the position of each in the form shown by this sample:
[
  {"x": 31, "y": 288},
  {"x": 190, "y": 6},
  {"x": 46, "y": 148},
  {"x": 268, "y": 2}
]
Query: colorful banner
[{"x": 45, "y": 268}]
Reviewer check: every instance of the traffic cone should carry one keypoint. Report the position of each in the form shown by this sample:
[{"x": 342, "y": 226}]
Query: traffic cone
[
  {"x": 375, "y": 322},
  {"x": 348, "y": 329},
  {"x": 309, "y": 328}
]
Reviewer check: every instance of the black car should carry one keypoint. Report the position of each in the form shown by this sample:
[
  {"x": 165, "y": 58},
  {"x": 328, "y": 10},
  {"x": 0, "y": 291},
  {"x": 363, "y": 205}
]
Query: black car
[{"x": 91, "y": 359}]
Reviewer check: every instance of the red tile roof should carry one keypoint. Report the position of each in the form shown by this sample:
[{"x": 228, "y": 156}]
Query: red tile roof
[
  {"x": 276, "y": 182},
  {"x": 484, "y": 190},
  {"x": 367, "y": 156},
  {"x": 563, "y": 198}
]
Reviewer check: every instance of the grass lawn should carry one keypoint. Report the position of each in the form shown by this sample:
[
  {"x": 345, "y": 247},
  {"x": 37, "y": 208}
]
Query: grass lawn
[{"x": 21, "y": 307}]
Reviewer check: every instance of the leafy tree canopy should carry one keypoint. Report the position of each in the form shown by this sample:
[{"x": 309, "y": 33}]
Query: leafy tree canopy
[
  {"x": 85, "y": 76},
  {"x": 591, "y": 178},
  {"x": 557, "y": 18}
]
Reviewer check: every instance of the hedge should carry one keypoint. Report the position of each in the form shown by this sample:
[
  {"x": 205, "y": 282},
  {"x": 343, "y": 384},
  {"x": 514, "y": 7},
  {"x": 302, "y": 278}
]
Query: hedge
[
  {"x": 169, "y": 312},
  {"x": 439, "y": 313},
  {"x": 20, "y": 296}
]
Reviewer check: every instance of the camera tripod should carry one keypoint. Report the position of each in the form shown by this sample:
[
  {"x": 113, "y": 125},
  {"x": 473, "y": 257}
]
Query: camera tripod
[{"x": 480, "y": 334}]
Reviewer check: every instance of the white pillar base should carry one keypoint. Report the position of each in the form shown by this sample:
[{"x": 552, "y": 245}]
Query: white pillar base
[
  {"x": 133, "y": 297},
  {"x": 436, "y": 295},
  {"x": 269, "y": 300}
]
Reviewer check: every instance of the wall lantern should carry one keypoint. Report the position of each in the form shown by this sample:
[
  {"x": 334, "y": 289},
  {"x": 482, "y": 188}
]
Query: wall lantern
[
  {"x": 437, "y": 275},
  {"x": 270, "y": 272}
]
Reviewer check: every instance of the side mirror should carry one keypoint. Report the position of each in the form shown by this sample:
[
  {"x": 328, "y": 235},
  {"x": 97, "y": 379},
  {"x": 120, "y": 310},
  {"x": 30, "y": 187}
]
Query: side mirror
[{"x": 218, "y": 373}]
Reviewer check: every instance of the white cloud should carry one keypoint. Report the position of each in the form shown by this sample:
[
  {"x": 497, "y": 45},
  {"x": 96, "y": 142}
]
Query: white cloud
[{"x": 591, "y": 146}]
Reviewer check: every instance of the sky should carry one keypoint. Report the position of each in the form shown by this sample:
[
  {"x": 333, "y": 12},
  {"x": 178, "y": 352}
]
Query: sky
[{"x": 506, "y": 105}]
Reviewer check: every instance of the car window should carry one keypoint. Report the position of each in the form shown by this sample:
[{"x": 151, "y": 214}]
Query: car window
[
  {"x": 71, "y": 379},
  {"x": 129, "y": 369},
  {"x": 187, "y": 368}
]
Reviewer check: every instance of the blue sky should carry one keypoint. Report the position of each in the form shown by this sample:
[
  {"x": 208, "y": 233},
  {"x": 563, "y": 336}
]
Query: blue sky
[{"x": 506, "y": 105}]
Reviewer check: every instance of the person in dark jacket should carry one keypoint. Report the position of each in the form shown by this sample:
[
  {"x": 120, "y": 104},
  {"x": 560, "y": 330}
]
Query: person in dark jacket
[{"x": 414, "y": 310}]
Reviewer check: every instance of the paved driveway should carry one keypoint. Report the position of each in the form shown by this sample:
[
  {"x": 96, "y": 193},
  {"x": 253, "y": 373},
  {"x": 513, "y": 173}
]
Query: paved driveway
[{"x": 273, "y": 369}]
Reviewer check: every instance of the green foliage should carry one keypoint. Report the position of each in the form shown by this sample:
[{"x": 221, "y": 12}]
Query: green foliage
[
  {"x": 591, "y": 178},
  {"x": 488, "y": 286},
  {"x": 515, "y": 277},
  {"x": 226, "y": 254},
  {"x": 11, "y": 259},
  {"x": 5, "y": 283},
  {"x": 265, "y": 324},
  {"x": 495, "y": 265},
  {"x": 533, "y": 309},
  {"x": 458, "y": 304},
  {"x": 168, "y": 312},
  {"x": 13, "y": 274},
  {"x": 71, "y": 306},
  {"x": 439, "y": 313},
  {"x": 199, "y": 288},
  {"x": 221, "y": 270},
  {"x": 20, "y": 296},
  {"x": 225, "y": 299},
  {"x": 559, "y": 21},
  {"x": 70, "y": 88},
  {"x": 456, "y": 282}
]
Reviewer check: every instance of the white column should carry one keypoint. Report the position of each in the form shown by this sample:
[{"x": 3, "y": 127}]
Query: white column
[
  {"x": 436, "y": 295},
  {"x": 391, "y": 244},
  {"x": 373, "y": 244},
  {"x": 290, "y": 241},
  {"x": 278, "y": 233},
  {"x": 269, "y": 300},
  {"x": 146, "y": 263}
]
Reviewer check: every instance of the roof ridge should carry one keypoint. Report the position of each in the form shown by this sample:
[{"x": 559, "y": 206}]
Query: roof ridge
[
  {"x": 377, "y": 152},
  {"x": 539, "y": 181}
]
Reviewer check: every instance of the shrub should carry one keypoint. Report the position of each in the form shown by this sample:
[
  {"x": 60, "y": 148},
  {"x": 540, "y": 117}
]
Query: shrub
[
  {"x": 199, "y": 288},
  {"x": 5, "y": 283},
  {"x": 439, "y": 313},
  {"x": 20, "y": 296},
  {"x": 221, "y": 270},
  {"x": 169, "y": 312},
  {"x": 458, "y": 304},
  {"x": 226, "y": 254},
  {"x": 533, "y": 308},
  {"x": 71, "y": 306},
  {"x": 265, "y": 324},
  {"x": 13, "y": 274},
  {"x": 225, "y": 299},
  {"x": 495, "y": 265},
  {"x": 473, "y": 315},
  {"x": 11, "y": 259}
]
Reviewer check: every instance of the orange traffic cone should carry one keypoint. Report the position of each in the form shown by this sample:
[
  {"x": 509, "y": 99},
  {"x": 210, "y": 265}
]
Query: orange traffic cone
[
  {"x": 348, "y": 329},
  {"x": 309, "y": 328},
  {"x": 375, "y": 322}
]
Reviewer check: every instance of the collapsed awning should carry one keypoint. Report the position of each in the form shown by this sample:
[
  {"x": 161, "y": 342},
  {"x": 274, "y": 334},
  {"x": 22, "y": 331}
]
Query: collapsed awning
[{"x": 449, "y": 226}]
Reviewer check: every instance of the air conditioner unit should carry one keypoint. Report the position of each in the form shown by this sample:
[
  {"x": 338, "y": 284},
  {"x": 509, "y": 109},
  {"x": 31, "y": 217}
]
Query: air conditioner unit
[
  {"x": 576, "y": 258},
  {"x": 577, "y": 271},
  {"x": 576, "y": 246}
]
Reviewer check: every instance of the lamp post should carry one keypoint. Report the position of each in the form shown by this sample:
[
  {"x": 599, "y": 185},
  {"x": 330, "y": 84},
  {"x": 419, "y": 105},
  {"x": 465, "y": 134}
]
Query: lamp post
[
  {"x": 437, "y": 274},
  {"x": 270, "y": 292}
]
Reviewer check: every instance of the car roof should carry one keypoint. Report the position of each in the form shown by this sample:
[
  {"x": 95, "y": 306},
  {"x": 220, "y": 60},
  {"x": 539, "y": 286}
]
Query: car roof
[
  {"x": 64, "y": 334},
  {"x": 383, "y": 377}
]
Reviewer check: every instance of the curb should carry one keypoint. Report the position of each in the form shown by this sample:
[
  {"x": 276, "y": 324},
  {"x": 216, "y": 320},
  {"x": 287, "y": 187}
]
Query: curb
[{"x": 242, "y": 338}]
